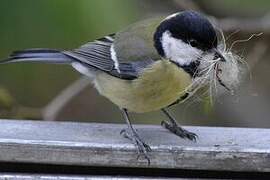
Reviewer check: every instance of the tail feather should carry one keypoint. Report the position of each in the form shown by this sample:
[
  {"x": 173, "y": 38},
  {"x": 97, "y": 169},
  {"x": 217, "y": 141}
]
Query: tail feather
[{"x": 38, "y": 55}]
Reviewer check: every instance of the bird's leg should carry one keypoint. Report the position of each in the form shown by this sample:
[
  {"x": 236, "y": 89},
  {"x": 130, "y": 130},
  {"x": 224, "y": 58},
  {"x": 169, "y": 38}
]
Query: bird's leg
[
  {"x": 176, "y": 129},
  {"x": 132, "y": 135}
]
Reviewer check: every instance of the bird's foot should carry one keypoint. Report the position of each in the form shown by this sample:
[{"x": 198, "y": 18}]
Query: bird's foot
[
  {"x": 177, "y": 130},
  {"x": 142, "y": 147}
]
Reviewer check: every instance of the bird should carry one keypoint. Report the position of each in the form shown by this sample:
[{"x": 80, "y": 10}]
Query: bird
[{"x": 147, "y": 66}]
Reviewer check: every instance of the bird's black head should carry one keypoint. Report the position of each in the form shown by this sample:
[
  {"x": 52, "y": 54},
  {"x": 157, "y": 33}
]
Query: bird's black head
[
  {"x": 185, "y": 36},
  {"x": 190, "y": 27}
]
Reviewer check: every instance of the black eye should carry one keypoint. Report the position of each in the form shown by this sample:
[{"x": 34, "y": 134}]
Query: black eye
[{"x": 194, "y": 43}]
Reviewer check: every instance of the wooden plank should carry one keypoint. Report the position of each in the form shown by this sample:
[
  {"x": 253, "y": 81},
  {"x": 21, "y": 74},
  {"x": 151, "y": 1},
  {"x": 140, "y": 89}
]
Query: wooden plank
[
  {"x": 75, "y": 177},
  {"x": 62, "y": 143}
]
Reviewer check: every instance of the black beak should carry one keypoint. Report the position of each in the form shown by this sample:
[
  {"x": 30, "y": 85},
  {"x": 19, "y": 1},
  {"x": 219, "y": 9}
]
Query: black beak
[{"x": 219, "y": 55}]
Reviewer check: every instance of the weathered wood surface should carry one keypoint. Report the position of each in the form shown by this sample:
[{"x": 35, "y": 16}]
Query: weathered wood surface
[
  {"x": 231, "y": 149},
  {"x": 75, "y": 177}
]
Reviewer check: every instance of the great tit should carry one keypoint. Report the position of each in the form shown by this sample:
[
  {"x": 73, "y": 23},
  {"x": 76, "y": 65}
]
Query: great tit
[{"x": 148, "y": 66}]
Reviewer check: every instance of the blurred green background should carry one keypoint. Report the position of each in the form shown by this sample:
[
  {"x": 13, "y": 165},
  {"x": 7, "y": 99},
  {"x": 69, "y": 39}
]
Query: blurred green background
[
  {"x": 61, "y": 24},
  {"x": 65, "y": 24}
]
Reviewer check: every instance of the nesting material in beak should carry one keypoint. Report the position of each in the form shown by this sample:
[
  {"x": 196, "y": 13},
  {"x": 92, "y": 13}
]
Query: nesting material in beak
[
  {"x": 219, "y": 74},
  {"x": 230, "y": 73},
  {"x": 219, "y": 55}
]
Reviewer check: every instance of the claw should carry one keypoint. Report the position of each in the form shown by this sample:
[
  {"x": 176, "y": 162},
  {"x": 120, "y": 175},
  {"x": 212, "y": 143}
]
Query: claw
[
  {"x": 177, "y": 130},
  {"x": 142, "y": 147}
]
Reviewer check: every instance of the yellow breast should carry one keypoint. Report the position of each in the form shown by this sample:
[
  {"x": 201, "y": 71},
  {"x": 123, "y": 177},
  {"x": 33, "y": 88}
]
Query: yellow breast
[{"x": 157, "y": 87}]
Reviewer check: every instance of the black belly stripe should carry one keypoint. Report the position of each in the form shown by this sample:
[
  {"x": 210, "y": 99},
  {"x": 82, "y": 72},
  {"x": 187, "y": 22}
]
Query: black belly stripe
[{"x": 182, "y": 98}]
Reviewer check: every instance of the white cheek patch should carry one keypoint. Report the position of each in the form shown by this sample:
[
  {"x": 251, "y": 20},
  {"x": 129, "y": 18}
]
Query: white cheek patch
[
  {"x": 179, "y": 51},
  {"x": 114, "y": 58}
]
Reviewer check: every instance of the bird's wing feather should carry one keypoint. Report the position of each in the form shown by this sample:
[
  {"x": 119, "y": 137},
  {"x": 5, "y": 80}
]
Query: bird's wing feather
[
  {"x": 96, "y": 54},
  {"x": 124, "y": 54},
  {"x": 101, "y": 55}
]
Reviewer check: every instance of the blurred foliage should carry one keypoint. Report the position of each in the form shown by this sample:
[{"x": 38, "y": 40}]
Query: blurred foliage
[
  {"x": 244, "y": 8},
  {"x": 6, "y": 100},
  {"x": 61, "y": 24},
  {"x": 9, "y": 108}
]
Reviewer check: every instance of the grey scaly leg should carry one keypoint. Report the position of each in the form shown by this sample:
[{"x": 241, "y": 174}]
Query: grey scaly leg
[
  {"x": 176, "y": 129},
  {"x": 133, "y": 136}
]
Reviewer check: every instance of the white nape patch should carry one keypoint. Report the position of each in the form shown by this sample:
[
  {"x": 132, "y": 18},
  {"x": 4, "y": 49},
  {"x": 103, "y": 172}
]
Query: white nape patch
[
  {"x": 109, "y": 38},
  {"x": 171, "y": 16},
  {"x": 102, "y": 42},
  {"x": 178, "y": 51},
  {"x": 83, "y": 69},
  {"x": 114, "y": 58}
]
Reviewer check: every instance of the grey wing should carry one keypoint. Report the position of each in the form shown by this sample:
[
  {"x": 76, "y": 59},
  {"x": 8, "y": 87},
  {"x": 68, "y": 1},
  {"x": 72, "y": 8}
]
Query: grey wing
[
  {"x": 101, "y": 55},
  {"x": 96, "y": 54}
]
